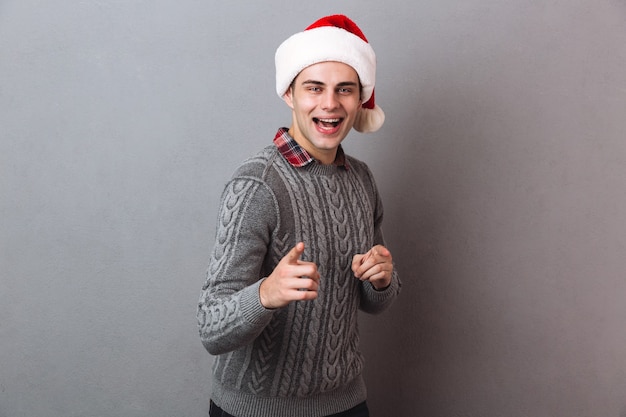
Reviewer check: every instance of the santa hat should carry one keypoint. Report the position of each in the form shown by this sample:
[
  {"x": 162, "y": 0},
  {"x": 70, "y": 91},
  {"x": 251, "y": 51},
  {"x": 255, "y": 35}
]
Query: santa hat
[{"x": 332, "y": 38}]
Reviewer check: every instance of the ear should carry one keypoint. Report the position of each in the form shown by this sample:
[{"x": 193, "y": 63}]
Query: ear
[{"x": 288, "y": 97}]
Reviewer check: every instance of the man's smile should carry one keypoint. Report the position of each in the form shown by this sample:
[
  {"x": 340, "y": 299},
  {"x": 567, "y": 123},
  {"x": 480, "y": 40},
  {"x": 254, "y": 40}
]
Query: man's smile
[{"x": 327, "y": 124}]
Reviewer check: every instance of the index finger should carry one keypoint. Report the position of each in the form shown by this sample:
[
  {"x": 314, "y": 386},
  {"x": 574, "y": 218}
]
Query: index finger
[{"x": 294, "y": 254}]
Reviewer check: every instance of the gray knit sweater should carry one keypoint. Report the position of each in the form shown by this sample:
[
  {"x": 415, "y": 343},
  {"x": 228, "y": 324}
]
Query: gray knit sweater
[{"x": 303, "y": 359}]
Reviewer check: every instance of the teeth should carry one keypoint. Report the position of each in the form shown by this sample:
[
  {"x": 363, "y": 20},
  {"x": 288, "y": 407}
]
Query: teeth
[{"x": 329, "y": 120}]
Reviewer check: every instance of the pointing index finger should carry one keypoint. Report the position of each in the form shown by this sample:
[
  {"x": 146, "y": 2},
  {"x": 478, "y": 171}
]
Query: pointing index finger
[{"x": 294, "y": 254}]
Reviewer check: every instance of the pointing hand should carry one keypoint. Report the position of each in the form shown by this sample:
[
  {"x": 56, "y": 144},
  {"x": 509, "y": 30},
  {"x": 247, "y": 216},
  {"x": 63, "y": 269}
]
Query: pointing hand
[
  {"x": 375, "y": 266},
  {"x": 291, "y": 280}
]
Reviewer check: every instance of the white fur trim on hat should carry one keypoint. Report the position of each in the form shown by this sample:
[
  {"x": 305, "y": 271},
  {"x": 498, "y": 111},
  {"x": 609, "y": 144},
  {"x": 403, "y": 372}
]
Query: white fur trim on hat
[{"x": 321, "y": 44}]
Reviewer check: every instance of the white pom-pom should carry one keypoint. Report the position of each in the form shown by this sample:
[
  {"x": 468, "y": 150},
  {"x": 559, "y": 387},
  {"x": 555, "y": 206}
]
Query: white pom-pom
[{"x": 369, "y": 120}]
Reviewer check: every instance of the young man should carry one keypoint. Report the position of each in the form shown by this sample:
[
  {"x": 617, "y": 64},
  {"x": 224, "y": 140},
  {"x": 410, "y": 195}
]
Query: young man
[{"x": 299, "y": 247}]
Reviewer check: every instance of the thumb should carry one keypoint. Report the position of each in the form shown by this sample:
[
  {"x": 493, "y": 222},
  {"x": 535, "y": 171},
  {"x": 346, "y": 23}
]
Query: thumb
[
  {"x": 294, "y": 254},
  {"x": 381, "y": 250}
]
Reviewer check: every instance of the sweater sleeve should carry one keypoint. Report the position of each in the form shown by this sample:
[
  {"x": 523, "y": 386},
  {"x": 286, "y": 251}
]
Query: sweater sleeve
[
  {"x": 374, "y": 301},
  {"x": 230, "y": 314}
]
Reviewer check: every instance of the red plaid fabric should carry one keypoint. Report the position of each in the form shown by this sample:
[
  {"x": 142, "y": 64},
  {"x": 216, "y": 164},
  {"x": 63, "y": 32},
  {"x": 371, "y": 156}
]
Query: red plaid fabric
[{"x": 297, "y": 155}]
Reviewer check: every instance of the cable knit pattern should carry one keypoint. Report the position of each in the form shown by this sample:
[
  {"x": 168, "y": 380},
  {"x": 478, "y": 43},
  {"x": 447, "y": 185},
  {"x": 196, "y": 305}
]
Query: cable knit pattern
[{"x": 301, "y": 360}]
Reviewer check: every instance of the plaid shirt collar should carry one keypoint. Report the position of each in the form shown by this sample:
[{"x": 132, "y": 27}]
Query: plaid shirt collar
[{"x": 297, "y": 155}]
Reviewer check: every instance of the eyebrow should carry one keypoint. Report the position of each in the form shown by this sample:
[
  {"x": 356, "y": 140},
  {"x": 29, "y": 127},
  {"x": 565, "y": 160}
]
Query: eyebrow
[{"x": 341, "y": 84}]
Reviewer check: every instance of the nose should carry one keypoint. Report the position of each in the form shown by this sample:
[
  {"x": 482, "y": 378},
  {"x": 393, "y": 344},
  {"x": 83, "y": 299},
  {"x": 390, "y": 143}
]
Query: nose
[{"x": 329, "y": 100}]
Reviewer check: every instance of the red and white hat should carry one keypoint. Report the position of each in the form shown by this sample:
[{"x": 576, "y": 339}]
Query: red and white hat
[{"x": 332, "y": 38}]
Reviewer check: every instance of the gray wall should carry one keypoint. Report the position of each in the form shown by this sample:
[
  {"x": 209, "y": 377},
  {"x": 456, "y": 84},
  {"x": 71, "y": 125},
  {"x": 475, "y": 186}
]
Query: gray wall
[{"x": 502, "y": 165}]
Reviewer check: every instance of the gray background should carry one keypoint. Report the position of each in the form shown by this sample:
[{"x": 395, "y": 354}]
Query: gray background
[{"x": 502, "y": 165}]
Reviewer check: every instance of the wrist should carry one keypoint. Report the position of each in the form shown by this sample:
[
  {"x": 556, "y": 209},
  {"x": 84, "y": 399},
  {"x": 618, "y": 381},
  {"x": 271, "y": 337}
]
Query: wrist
[
  {"x": 381, "y": 288},
  {"x": 263, "y": 296}
]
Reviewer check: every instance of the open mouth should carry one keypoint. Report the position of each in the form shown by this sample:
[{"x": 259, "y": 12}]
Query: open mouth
[{"x": 327, "y": 123}]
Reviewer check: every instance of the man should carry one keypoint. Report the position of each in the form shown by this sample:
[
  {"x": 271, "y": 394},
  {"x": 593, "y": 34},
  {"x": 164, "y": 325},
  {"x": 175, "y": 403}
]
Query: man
[{"x": 299, "y": 247}]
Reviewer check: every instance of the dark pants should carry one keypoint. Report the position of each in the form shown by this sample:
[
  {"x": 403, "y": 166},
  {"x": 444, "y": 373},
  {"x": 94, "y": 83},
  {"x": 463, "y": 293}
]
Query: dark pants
[{"x": 358, "y": 411}]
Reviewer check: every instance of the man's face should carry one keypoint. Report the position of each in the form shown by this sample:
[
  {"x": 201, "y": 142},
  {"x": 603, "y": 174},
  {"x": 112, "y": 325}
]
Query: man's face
[{"x": 325, "y": 99}]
